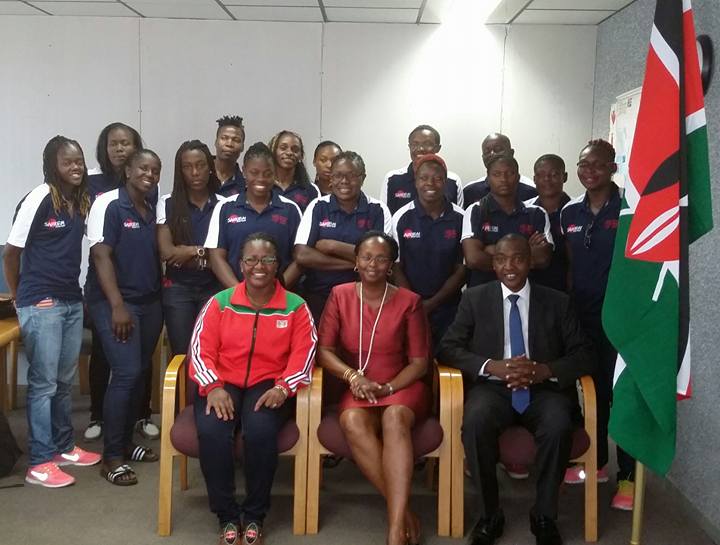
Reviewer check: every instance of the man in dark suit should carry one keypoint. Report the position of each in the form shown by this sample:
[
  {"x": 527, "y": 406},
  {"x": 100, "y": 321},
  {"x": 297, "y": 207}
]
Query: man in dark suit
[{"x": 520, "y": 350}]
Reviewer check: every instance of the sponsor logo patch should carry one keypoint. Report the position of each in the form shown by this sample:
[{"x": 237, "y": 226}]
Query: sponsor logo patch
[
  {"x": 574, "y": 228},
  {"x": 526, "y": 229},
  {"x": 54, "y": 223},
  {"x": 234, "y": 218},
  {"x": 279, "y": 218},
  {"x": 450, "y": 234},
  {"x": 409, "y": 233},
  {"x": 400, "y": 194},
  {"x": 131, "y": 224},
  {"x": 610, "y": 224},
  {"x": 489, "y": 228},
  {"x": 281, "y": 324},
  {"x": 363, "y": 223},
  {"x": 326, "y": 223}
]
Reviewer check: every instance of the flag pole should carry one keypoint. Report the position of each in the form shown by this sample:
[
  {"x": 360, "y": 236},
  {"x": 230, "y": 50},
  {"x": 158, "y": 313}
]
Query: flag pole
[{"x": 638, "y": 503}]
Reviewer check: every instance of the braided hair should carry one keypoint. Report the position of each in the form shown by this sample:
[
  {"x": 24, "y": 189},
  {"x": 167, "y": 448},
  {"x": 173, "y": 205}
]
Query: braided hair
[
  {"x": 353, "y": 157},
  {"x": 300, "y": 176},
  {"x": 80, "y": 200},
  {"x": 602, "y": 145}
]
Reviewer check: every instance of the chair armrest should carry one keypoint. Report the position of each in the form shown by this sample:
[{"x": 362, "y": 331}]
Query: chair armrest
[
  {"x": 174, "y": 369},
  {"x": 589, "y": 405},
  {"x": 302, "y": 408},
  {"x": 444, "y": 391}
]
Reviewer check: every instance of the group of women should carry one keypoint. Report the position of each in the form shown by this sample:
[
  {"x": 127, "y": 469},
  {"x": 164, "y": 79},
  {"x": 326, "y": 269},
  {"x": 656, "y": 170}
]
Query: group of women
[{"x": 218, "y": 261}]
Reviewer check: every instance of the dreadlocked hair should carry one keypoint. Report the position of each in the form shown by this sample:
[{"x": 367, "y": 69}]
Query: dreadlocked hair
[
  {"x": 80, "y": 200},
  {"x": 230, "y": 121},
  {"x": 300, "y": 176},
  {"x": 179, "y": 217},
  {"x": 604, "y": 146},
  {"x": 101, "y": 152}
]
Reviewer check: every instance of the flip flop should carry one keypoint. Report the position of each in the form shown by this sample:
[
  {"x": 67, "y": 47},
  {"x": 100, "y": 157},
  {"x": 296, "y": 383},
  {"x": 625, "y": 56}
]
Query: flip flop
[
  {"x": 138, "y": 453},
  {"x": 115, "y": 476}
]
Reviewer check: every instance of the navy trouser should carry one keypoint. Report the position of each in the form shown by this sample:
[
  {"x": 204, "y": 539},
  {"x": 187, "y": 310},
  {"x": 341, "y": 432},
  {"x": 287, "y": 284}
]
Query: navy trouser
[
  {"x": 181, "y": 305},
  {"x": 217, "y": 439},
  {"x": 603, "y": 377},
  {"x": 129, "y": 362},
  {"x": 440, "y": 319}
]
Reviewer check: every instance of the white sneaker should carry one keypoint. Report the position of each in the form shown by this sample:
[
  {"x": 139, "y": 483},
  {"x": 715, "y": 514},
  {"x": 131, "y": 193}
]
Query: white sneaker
[
  {"x": 94, "y": 430},
  {"x": 147, "y": 428}
]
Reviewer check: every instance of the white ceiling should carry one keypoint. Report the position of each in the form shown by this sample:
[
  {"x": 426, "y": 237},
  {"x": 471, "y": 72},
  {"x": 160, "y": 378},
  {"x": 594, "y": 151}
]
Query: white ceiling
[{"x": 574, "y": 12}]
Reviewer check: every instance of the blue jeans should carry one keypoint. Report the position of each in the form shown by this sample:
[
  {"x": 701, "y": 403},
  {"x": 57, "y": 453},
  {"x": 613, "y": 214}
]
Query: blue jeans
[
  {"x": 181, "y": 305},
  {"x": 52, "y": 336},
  {"x": 129, "y": 362}
]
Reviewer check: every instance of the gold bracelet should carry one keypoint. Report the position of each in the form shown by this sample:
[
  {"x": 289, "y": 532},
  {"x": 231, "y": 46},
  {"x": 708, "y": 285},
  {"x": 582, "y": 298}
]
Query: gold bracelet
[
  {"x": 392, "y": 390},
  {"x": 282, "y": 389}
]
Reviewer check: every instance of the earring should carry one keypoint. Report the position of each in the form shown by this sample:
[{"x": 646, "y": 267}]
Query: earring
[{"x": 355, "y": 269}]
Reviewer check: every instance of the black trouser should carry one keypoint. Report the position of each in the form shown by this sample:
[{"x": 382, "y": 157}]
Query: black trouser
[
  {"x": 99, "y": 376},
  {"x": 181, "y": 305},
  {"x": 603, "y": 377},
  {"x": 316, "y": 303},
  {"x": 488, "y": 412},
  {"x": 217, "y": 439},
  {"x": 440, "y": 319}
]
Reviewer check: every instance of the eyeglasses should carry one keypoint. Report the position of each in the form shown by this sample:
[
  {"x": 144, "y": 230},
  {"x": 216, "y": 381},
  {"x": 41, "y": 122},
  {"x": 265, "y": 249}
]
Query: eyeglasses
[
  {"x": 587, "y": 240},
  {"x": 377, "y": 259},
  {"x": 339, "y": 177},
  {"x": 251, "y": 260}
]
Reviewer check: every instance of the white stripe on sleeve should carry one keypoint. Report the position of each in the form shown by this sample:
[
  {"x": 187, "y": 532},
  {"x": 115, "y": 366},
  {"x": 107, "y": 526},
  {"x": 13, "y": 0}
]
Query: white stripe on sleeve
[
  {"x": 96, "y": 218},
  {"x": 26, "y": 215},
  {"x": 161, "y": 211},
  {"x": 467, "y": 230},
  {"x": 303, "y": 233}
]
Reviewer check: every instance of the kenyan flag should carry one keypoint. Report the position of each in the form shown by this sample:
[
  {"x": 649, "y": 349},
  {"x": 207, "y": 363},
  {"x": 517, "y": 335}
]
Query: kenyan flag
[{"x": 665, "y": 208}]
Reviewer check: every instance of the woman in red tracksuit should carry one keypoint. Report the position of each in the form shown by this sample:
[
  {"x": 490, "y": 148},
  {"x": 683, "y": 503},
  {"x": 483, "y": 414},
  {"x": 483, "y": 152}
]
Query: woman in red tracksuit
[{"x": 252, "y": 347}]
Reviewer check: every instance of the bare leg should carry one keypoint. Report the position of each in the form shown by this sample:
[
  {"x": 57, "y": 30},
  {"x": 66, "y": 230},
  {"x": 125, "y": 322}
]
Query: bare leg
[
  {"x": 362, "y": 431},
  {"x": 397, "y": 464}
]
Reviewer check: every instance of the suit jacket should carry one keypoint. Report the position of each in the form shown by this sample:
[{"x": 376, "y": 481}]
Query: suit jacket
[{"x": 554, "y": 335}]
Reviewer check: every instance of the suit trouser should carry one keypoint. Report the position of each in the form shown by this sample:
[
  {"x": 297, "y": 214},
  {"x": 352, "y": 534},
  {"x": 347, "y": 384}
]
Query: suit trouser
[{"x": 488, "y": 412}]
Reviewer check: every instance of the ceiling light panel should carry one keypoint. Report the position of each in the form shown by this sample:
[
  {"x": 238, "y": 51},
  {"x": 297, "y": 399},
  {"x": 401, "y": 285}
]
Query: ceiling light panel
[
  {"x": 179, "y": 9},
  {"x": 611, "y": 5},
  {"x": 94, "y": 9},
  {"x": 562, "y": 17},
  {"x": 407, "y": 4},
  {"x": 272, "y": 3},
  {"x": 263, "y": 13},
  {"x": 355, "y": 15}
]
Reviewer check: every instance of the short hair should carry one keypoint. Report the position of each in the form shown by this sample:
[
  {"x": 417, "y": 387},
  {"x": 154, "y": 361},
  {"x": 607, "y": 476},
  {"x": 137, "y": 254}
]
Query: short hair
[
  {"x": 101, "y": 152},
  {"x": 324, "y": 144},
  {"x": 497, "y": 136},
  {"x": 353, "y": 157},
  {"x": 134, "y": 156},
  {"x": 259, "y": 150},
  {"x": 261, "y": 236},
  {"x": 515, "y": 237},
  {"x": 551, "y": 158},
  {"x": 390, "y": 241},
  {"x": 419, "y": 128},
  {"x": 505, "y": 159},
  {"x": 230, "y": 121},
  {"x": 602, "y": 145}
]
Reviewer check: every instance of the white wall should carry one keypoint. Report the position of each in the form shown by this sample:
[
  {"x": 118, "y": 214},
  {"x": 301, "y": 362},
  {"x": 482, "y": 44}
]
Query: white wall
[{"x": 364, "y": 86}]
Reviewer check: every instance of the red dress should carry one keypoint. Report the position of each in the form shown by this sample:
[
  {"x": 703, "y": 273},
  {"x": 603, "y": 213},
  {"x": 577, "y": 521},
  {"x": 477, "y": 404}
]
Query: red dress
[{"x": 402, "y": 333}]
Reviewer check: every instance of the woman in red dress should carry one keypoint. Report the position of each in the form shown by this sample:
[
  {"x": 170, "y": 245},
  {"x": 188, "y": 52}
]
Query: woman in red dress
[{"x": 375, "y": 337}]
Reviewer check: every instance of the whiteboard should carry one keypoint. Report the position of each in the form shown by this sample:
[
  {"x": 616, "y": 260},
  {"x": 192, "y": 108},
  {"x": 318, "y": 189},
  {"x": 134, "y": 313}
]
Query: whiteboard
[{"x": 623, "y": 116}]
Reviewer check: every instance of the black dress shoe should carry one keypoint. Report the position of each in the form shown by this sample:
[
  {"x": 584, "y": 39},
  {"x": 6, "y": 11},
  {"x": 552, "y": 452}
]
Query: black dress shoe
[
  {"x": 545, "y": 530},
  {"x": 488, "y": 529}
]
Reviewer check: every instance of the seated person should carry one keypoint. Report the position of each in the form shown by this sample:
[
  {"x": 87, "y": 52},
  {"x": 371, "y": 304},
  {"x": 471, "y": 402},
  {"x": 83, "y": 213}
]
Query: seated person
[
  {"x": 239, "y": 325},
  {"x": 398, "y": 187},
  {"x": 515, "y": 378},
  {"x": 385, "y": 395},
  {"x": 495, "y": 144}
]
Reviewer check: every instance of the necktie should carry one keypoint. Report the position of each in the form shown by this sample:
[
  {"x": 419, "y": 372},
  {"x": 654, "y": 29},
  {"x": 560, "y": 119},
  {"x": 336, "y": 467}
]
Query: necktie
[{"x": 520, "y": 397}]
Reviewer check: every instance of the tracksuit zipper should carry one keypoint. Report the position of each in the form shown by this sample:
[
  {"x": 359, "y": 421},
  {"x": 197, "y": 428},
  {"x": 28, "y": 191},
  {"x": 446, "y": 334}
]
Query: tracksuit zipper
[{"x": 252, "y": 347}]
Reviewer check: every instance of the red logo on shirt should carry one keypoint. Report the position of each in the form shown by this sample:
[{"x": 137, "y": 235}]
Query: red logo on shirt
[
  {"x": 610, "y": 224},
  {"x": 54, "y": 223},
  {"x": 234, "y": 218},
  {"x": 279, "y": 218},
  {"x": 300, "y": 198},
  {"x": 400, "y": 194},
  {"x": 451, "y": 234},
  {"x": 574, "y": 228},
  {"x": 526, "y": 229},
  {"x": 489, "y": 228},
  {"x": 131, "y": 224},
  {"x": 409, "y": 233},
  {"x": 363, "y": 223}
]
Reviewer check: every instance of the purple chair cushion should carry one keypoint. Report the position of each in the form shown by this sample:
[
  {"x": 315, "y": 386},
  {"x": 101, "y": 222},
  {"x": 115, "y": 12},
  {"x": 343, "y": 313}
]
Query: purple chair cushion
[
  {"x": 183, "y": 435},
  {"x": 517, "y": 446},
  {"x": 426, "y": 435}
]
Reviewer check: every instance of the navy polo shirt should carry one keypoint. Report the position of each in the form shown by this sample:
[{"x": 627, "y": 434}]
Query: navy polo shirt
[
  {"x": 324, "y": 219},
  {"x": 430, "y": 248},
  {"x": 199, "y": 223},
  {"x": 477, "y": 189},
  {"x": 114, "y": 221},
  {"x": 99, "y": 183},
  {"x": 487, "y": 222},
  {"x": 234, "y": 185},
  {"x": 234, "y": 219},
  {"x": 555, "y": 275},
  {"x": 52, "y": 242},
  {"x": 591, "y": 241},
  {"x": 398, "y": 188},
  {"x": 302, "y": 195}
]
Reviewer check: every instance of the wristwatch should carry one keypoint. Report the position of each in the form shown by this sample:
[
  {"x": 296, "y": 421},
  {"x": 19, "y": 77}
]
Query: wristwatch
[{"x": 200, "y": 251}]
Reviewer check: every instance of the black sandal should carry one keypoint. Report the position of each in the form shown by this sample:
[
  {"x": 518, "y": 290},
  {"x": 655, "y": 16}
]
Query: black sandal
[
  {"x": 122, "y": 475},
  {"x": 138, "y": 453}
]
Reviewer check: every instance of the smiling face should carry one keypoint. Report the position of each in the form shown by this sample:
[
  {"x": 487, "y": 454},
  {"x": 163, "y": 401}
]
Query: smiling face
[
  {"x": 288, "y": 152},
  {"x": 503, "y": 178},
  {"x": 143, "y": 172},
  {"x": 346, "y": 181},
  {"x": 422, "y": 142},
  {"x": 549, "y": 178},
  {"x": 259, "y": 177},
  {"x": 259, "y": 264},
  {"x": 70, "y": 165},
  {"x": 195, "y": 169},
  {"x": 429, "y": 183},
  {"x": 120, "y": 146},
  {"x": 374, "y": 260},
  {"x": 511, "y": 262},
  {"x": 323, "y": 162},
  {"x": 229, "y": 143},
  {"x": 595, "y": 168}
]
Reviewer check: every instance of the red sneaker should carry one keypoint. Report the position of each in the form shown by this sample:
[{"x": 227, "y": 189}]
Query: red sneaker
[
  {"x": 48, "y": 475},
  {"x": 624, "y": 497},
  {"x": 516, "y": 471},
  {"x": 576, "y": 475},
  {"x": 77, "y": 457}
]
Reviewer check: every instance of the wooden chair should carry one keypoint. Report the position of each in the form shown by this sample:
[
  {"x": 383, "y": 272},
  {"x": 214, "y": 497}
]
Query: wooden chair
[
  {"x": 432, "y": 439},
  {"x": 517, "y": 446},
  {"x": 179, "y": 439}
]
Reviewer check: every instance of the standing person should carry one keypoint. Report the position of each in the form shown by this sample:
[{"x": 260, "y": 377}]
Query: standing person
[
  {"x": 323, "y": 157},
  {"x": 520, "y": 349},
  {"x": 495, "y": 144},
  {"x": 330, "y": 228},
  {"x": 383, "y": 368},
  {"x": 183, "y": 218},
  {"x": 229, "y": 144},
  {"x": 291, "y": 177},
  {"x": 123, "y": 294},
  {"x": 237, "y": 326},
  {"x": 499, "y": 213},
  {"x": 550, "y": 177},
  {"x": 257, "y": 209},
  {"x": 46, "y": 239},
  {"x": 117, "y": 141},
  {"x": 589, "y": 224},
  {"x": 398, "y": 188},
  {"x": 430, "y": 260}
]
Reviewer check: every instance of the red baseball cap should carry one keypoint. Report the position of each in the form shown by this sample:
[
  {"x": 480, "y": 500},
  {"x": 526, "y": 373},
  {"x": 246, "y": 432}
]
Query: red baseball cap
[{"x": 430, "y": 158}]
